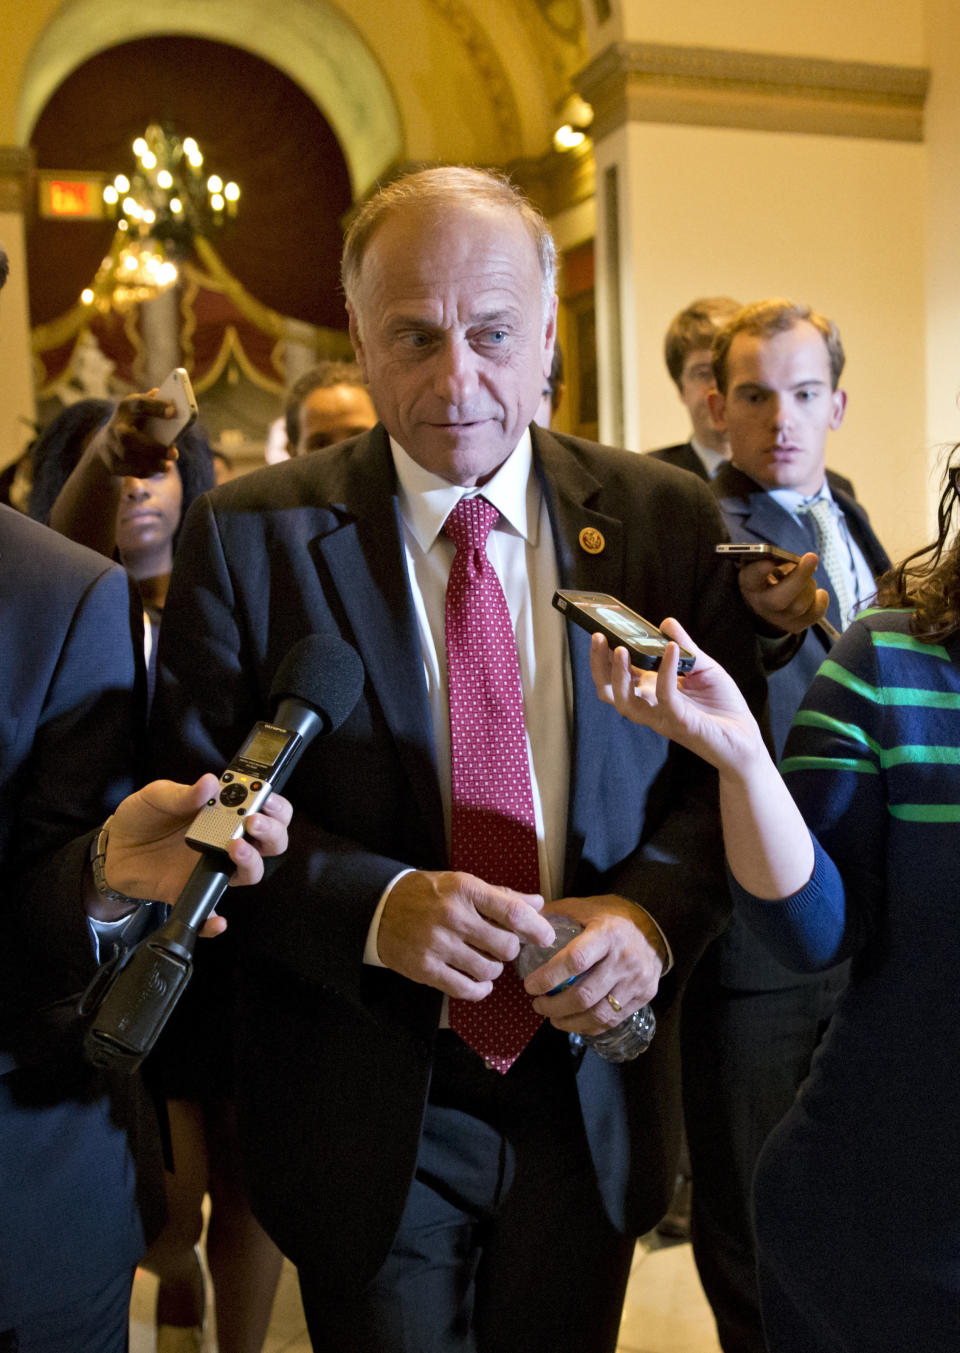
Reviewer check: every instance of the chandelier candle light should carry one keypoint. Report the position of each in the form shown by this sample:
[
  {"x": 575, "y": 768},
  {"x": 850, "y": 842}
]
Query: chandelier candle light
[{"x": 158, "y": 209}]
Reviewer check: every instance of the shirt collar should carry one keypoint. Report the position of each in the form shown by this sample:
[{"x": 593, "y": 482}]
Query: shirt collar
[
  {"x": 710, "y": 459},
  {"x": 426, "y": 499},
  {"x": 791, "y": 500}
]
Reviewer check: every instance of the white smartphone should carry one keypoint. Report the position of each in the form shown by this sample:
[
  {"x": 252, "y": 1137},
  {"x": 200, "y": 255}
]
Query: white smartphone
[{"x": 176, "y": 389}]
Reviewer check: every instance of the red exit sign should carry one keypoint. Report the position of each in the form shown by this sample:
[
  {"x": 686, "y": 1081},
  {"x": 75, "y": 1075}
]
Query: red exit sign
[{"x": 75, "y": 196}]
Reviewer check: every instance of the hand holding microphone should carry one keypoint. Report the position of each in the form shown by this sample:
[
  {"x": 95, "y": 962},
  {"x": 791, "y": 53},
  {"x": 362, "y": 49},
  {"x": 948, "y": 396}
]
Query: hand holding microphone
[{"x": 315, "y": 689}]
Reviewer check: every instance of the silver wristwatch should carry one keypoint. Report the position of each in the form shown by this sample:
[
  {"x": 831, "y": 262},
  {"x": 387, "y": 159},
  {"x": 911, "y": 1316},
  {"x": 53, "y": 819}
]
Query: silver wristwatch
[{"x": 98, "y": 855}]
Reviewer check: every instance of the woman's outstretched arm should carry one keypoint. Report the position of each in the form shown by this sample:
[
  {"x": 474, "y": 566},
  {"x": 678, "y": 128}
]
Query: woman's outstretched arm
[{"x": 769, "y": 849}]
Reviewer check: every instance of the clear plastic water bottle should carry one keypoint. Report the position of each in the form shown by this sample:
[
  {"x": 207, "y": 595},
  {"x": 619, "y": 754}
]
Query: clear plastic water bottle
[{"x": 619, "y": 1044}]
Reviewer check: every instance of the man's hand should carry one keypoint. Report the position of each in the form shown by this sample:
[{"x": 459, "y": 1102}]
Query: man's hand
[
  {"x": 455, "y": 932},
  {"x": 619, "y": 953},
  {"x": 123, "y": 445},
  {"x": 148, "y": 857},
  {"x": 786, "y": 596}
]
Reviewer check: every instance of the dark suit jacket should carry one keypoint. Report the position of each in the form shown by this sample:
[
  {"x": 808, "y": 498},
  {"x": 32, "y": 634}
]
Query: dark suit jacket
[
  {"x": 683, "y": 457},
  {"x": 68, "y": 1139},
  {"x": 335, "y": 1056},
  {"x": 751, "y": 514}
]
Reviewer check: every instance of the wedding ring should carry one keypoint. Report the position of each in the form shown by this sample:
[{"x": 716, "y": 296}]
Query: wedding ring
[{"x": 614, "y": 1003}]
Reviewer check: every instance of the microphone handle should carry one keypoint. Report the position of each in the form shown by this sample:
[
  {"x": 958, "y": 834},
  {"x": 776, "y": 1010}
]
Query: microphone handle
[
  {"x": 133, "y": 1002},
  {"x": 143, "y": 989}
]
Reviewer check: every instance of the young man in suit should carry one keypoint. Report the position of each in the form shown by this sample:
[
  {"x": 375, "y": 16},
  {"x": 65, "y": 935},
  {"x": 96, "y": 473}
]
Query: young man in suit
[
  {"x": 686, "y": 350},
  {"x": 433, "y": 1196},
  {"x": 750, "y": 1026}
]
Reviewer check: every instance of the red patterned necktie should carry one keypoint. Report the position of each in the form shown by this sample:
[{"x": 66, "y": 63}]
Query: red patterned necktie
[{"x": 493, "y": 827}]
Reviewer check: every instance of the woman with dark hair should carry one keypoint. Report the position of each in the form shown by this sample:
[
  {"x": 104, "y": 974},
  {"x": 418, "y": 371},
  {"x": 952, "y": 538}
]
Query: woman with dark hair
[
  {"x": 857, "y": 1192},
  {"x": 102, "y": 480},
  {"x": 99, "y": 479}
]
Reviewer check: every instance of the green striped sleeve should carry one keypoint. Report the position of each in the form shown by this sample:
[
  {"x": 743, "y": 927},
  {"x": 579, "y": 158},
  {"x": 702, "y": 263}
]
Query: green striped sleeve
[
  {"x": 894, "y": 639},
  {"x": 828, "y": 763},
  {"x": 815, "y": 718},
  {"x": 889, "y": 695},
  {"x": 920, "y": 755},
  {"x": 925, "y": 812}
]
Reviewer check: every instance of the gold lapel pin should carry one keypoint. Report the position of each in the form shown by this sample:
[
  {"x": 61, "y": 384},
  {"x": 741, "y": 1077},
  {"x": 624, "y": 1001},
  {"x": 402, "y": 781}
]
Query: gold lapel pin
[{"x": 591, "y": 540}]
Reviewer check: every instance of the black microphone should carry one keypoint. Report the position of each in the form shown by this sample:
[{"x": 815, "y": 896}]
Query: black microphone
[{"x": 316, "y": 687}]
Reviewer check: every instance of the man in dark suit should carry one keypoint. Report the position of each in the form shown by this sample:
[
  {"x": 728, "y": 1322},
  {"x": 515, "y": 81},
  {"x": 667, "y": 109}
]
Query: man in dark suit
[
  {"x": 81, "y": 1183},
  {"x": 428, "y": 1200},
  {"x": 750, "y": 1026},
  {"x": 686, "y": 350}
]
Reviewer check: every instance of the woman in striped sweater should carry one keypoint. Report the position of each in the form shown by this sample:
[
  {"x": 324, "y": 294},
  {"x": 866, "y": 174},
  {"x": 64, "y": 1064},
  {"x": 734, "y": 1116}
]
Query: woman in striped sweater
[{"x": 857, "y": 1193}]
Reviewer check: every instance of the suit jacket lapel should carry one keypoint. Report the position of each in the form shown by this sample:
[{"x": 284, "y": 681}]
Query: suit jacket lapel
[
  {"x": 742, "y": 500},
  {"x": 365, "y": 558},
  {"x": 762, "y": 518},
  {"x": 578, "y": 529},
  {"x": 859, "y": 526}
]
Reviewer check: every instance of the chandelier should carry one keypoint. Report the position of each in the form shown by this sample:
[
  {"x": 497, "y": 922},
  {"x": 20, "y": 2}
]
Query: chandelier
[{"x": 165, "y": 201}]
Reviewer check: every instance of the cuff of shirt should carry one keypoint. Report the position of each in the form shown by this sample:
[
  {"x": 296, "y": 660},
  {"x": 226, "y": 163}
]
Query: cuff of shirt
[
  {"x": 668, "y": 962},
  {"x": 106, "y": 935},
  {"x": 371, "y": 954}
]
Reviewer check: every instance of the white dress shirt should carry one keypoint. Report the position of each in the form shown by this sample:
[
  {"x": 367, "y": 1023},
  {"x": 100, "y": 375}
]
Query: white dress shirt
[
  {"x": 520, "y": 547},
  {"x": 860, "y": 580}
]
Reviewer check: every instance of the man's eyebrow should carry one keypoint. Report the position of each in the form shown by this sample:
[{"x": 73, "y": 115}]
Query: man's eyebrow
[
  {"x": 501, "y": 316},
  {"x": 410, "y": 321}
]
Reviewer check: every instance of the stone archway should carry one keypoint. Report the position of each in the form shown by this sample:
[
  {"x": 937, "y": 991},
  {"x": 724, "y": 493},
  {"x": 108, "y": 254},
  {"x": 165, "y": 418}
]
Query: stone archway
[{"x": 309, "y": 40}]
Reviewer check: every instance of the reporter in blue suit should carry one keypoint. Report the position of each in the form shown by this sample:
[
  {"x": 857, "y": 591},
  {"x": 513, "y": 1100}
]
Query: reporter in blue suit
[{"x": 81, "y": 1185}]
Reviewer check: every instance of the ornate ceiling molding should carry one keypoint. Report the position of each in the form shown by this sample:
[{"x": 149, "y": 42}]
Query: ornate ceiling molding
[
  {"x": 312, "y": 41},
  {"x": 490, "y": 69},
  {"x": 704, "y": 86}
]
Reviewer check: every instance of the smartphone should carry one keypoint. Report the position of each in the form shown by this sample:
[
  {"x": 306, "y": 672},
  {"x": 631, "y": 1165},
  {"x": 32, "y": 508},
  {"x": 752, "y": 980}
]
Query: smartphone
[
  {"x": 750, "y": 551},
  {"x": 598, "y": 613},
  {"x": 176, "y": 389}
]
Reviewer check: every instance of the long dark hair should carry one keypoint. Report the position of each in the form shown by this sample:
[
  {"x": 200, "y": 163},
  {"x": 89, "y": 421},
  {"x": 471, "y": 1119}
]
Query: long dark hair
[
  {"x": 60, "y": 445},
  {"x": 929, "y": 579}
]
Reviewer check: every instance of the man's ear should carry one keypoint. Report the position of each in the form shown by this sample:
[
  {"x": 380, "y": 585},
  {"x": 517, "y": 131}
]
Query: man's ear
[
  {"x": 838, "y": 407},
  {"x": 354, "y": 326},
  {"x": 717, "y": 404},
  {"x": 549, "y": 338}
]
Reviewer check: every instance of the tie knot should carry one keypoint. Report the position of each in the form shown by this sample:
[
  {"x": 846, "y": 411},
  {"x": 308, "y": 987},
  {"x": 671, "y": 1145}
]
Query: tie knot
[
  {"x": 470, "y": 522},
  {"x": 820, "y": 511}
]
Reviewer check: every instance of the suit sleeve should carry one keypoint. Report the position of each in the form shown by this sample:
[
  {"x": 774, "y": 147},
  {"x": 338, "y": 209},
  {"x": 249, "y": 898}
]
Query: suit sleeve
[
  {"x": 81, "y": 762},
  {"x": 312, "y": 912}
]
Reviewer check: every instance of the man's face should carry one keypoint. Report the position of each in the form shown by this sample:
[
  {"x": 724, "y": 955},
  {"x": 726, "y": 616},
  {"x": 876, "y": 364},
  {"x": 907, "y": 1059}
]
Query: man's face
[
  {"x": 450, "y": 333},
  {"x": 332, "y": 415},
  {"x": 779, "y": 407},
  {"x": 696, "y": 382}
]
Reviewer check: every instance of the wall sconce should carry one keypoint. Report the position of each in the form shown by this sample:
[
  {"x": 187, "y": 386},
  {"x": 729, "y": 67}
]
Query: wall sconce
[{"x": 575, "y": 116}]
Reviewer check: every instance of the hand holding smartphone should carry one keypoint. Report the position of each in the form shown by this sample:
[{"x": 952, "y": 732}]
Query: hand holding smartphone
[
  {"x": 599, "y": 613},
  {"x": 176, "y": 389}
]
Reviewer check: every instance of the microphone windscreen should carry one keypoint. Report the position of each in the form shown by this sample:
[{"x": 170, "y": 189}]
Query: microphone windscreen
[{"x": 324, "y": 672}]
